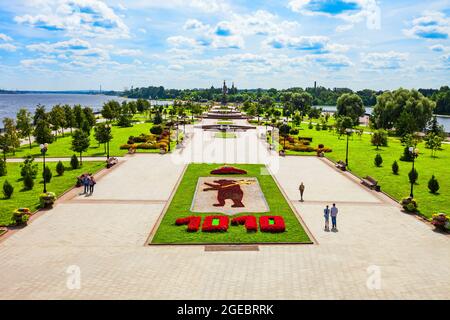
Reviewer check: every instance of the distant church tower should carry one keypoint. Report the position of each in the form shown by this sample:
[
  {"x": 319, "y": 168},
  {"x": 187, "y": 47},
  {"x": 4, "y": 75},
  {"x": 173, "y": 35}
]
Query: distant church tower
[
  {"x": 224, "y": 93},
  {"x": 225, "y": 88}
]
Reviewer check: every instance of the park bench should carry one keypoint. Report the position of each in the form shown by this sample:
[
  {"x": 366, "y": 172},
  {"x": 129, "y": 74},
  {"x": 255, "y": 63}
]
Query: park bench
[
  {"x": 371, "y": 183},
  {"x": 111, "y": 162},
  {"x": 341, "y": 165}
]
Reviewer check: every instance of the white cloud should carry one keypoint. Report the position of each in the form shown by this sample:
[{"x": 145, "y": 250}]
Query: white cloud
[
  {"x": 384, "y": 61},
  {"x": 129, "y": 52},
  {"x": 350, "y": 11},
  {"x": 431, "y": 25},
  {"x": 440, "y": 48},
  {"x": 5, "y": 38},
  {"x": 91, "y": 18},
  {"x": 196, "y": 25},
  {"x": 37, "y": 62},
  {"x": 313, "y": 44},
  {"x": 8, "y": 47}
]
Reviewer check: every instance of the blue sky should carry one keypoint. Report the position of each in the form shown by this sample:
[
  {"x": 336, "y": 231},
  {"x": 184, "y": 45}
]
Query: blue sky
[{"x": 82, "y": 44}]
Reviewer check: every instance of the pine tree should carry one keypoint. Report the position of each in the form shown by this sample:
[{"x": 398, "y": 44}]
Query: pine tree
[{"x": 433, "y": 185}]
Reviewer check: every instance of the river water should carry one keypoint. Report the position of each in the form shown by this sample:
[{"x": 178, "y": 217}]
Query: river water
[
  {"x": 11, "y": 103},
  {"x": 443, "y": 120}
]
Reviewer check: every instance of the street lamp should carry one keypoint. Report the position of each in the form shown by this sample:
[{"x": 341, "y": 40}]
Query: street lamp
[
  {"x": 108, "y": 126},
  {"x": 284, "y": 134},
  {"x": 414, "y": 153},
  {"x": 348, "y": 132},
  {"x": 44, "y": 148}
]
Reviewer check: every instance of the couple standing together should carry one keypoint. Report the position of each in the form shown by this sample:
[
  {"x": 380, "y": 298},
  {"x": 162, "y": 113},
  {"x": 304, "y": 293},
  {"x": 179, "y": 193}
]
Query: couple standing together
[
  {"x": 333, "y": 212},
  {"x": 89, "y": 182}
]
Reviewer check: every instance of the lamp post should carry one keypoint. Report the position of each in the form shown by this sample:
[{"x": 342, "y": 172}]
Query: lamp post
[
  {"x": 177, "y": 124},
  {"x": 108, "y": 126},
  {"x": 284, "y": 134},
  {"x": 170, "y": 126},
  {"x": 414, "y": 153},
  {"x": 347, "y": 132},
  {"x": 44, "y": 148}
]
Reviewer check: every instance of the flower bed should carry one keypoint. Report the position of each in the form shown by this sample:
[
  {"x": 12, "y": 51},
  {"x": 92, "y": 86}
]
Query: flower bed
[
  {"x": 440, "y": 221},
  {"x": 272, "y": 224},
  {"x": 249, "y": 221},
  {"x": 193, "y": 223},
  {"x": 228, "y": 170},
  {"x": 215, "y": 224}
]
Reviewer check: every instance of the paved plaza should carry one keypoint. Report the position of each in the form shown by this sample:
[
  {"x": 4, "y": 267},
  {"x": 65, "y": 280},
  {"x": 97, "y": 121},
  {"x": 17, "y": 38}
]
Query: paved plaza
[{"x": 378, "y": 253}]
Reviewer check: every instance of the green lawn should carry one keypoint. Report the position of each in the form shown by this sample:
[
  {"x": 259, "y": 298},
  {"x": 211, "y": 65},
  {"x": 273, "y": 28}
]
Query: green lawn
[
  {"x": 225, "y": 135},
  {"x": 62, "y": 147},
  {"x": 361, "y": 162},
  {"x": 30, "y": 199},
  {"x": 224, "y": 122},
  {"x": 180, "y": 206}
]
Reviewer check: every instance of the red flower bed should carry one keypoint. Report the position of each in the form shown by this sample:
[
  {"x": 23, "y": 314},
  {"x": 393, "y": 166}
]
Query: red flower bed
[
  {"x": 193, "y": 223},
  {"x": 249, "y": 222},
  {"x": 273, "y": 224},
  {"x": 228, "y": 170},
  {"x": 209, "y": 224}
]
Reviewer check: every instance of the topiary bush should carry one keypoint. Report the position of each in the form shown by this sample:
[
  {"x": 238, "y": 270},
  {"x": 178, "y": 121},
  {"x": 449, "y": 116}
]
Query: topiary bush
[
  {"x": 413, "y": 176},
  {"x": 60, "y": 168},
  {"x": 47, "y": 174},
  {"x": 378, "y": 160},
  {"x": 28, "y": 182},
  {"x": 157, "y": 130},
  {"x": 433, "y": 185},
  {"x": 3, "y": 170},
  {"x": 395, "y": 168},
  {"x": 8, "y": 189},
  {"x": 28, "y": 167},
  {"x": 74, "y": 163}
]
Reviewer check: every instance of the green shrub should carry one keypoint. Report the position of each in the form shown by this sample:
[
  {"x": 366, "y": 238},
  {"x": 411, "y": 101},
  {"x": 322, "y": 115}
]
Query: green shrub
[
  {"x": 156, "y": 130},
  {"x": 28, "y": 167},
  {"x": 413, "y": 176},
  {"x": 310, "y": 125},
  {"x": 318, "y": 127},
  {"x": 47, "y": 174},
  {"x": 378, "y": 160},
  {"x": 407, "y": 156},
  {"x": 20, "y": 218},
  {"x": 28, "y": 182},
  {"x": 60, "y": 168},
  {"x": 294, "y": 131},
  {"x": 433, "y": 185},
  {"x": 74, "y": 163},
  {"x": 47, "y": 199},
  {"x": 409, "y": 205},
  {"x": 395, "y": 168},
  {"x": 3, "y": 170},
  {"x": 8, "y": 189},
  {"x": 146, "y": 146}
]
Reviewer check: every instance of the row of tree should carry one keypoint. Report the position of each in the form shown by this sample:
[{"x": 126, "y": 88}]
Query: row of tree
[{"x": 321, "y": 96}]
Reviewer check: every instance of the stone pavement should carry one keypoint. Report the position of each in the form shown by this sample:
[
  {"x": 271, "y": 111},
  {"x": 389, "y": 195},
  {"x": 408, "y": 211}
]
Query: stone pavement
[{"x": 104, "y": 236}]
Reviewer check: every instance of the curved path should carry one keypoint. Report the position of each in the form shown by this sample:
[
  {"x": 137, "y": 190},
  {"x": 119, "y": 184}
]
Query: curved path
[{"x": 104, "y": 236}]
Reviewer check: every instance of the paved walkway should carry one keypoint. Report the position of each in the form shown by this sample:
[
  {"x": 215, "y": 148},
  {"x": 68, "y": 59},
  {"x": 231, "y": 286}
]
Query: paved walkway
[{"x": 104, "y": 236}]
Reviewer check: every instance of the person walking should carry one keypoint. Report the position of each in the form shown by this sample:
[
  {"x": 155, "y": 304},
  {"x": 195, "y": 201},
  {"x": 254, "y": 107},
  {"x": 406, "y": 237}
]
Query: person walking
[
  {"x": 326, "y": 215},
  {"x": 334, "y": 213},
  {"x": 302, "y": 190},
  {"x": 92, "y": 183}
]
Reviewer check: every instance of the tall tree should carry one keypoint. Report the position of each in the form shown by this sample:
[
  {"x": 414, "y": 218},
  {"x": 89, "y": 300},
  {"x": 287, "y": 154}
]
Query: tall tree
[
  {"x": 57, "y": 119},
  {"x": 11, "y": 134},
  {"x": 103, "y": 134},
  {"x": 350, "y": 105},
  {"x": 407, "y": 111},
  {"x": 80, "y": 143},
  {"x": 25, "y": 124},
  {"x": 70, "y": 117}
]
